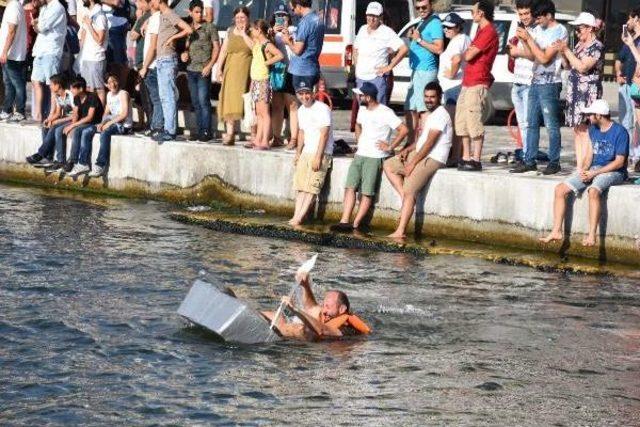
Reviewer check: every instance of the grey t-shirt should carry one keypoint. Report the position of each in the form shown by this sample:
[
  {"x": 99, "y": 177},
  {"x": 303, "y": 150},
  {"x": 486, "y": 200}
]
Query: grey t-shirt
[{"x": 168, "y": 27}]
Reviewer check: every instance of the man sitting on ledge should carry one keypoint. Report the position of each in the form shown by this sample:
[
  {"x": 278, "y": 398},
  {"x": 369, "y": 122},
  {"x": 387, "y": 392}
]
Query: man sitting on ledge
[
  {"x": 605, "y": 165},
  {"x": 332, "y": 319}
]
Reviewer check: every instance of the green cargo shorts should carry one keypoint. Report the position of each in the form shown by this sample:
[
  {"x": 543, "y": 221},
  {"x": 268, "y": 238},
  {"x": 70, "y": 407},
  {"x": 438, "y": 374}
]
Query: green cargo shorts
[{"x": 364, "y": 175}]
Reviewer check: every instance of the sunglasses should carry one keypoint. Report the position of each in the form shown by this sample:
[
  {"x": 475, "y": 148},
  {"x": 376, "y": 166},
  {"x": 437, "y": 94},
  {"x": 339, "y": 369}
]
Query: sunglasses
[{"x": 422, "y": 7}]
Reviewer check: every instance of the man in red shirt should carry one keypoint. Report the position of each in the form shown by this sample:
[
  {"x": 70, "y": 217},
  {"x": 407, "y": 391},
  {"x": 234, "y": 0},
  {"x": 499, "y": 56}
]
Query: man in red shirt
[{"x": 474, "y": 102}]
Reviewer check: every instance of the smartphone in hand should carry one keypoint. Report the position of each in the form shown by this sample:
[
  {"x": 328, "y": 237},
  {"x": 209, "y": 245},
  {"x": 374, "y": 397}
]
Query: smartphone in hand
[{"x": 625, "y": 31}]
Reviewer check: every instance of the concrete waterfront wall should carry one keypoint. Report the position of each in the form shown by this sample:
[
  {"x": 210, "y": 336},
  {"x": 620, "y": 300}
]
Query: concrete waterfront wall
[{"x": 491, "y": 207}]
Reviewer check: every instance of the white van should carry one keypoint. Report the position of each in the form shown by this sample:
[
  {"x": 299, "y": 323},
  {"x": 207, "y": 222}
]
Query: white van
[{"x": 506, "y": 23}]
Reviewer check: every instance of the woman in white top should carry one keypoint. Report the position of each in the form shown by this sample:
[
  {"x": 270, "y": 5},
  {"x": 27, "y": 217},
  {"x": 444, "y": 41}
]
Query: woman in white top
[
  {"x": 451, "y": 60},
  {"x": 117, "y": 120}
]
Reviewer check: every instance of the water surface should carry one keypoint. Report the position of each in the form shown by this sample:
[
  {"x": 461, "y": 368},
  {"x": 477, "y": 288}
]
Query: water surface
[{"x": 89, "y": 334}]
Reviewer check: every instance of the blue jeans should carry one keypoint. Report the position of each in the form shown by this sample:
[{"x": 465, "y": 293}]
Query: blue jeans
[
  {"x": 167, "y": 68},
  {"x": 15, "y": 86},
  {"x": 199, "y": 89},
  {"x": 81, "y": 145},
  {"x": 380, "y": 83},
  {"x": 105, "y": 142},
  {"x": 544, "y": 100},
  {"x": 53, "y": 137},
  {"x": 520, "y": 99},
  {"x": 151, "y": 82},
  {"x": 625, "y": 105}
]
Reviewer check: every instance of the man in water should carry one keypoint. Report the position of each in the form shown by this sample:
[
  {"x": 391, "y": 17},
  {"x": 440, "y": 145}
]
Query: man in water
[{"x": 331, "y": 319}]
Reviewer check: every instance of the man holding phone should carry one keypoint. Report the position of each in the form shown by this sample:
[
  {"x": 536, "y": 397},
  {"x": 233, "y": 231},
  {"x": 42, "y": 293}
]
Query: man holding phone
[
  {"x": 427, "y": 42},
  {"x": 625, "y": 67}
]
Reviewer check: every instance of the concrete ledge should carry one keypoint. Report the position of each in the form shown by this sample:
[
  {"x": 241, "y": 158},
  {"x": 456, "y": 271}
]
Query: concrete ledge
[{"x": 492, "y": 207}]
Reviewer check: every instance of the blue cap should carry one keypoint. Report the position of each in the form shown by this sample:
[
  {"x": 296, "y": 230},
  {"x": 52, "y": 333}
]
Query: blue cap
[
  {"x": 453, "y": 20},
  {"x": 302, "y": 86},
  {"x": 281, "y": 9},
  {"x": 367, "y": 88}
]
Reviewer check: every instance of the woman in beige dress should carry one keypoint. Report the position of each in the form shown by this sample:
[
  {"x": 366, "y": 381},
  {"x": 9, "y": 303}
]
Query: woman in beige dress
[{"x": 233, "y": 71}]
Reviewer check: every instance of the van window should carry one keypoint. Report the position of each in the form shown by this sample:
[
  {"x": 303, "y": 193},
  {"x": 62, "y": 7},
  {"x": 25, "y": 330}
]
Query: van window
[
  {"x": 331, "y": 11},
  {"x": 396, "y": 13}
]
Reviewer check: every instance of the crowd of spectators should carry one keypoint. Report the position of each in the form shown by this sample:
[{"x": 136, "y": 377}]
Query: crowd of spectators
[{"x": 79, "y": 73}]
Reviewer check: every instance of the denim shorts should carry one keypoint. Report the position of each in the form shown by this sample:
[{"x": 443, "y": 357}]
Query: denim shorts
[
  {"x": 44, "y": 67},
  {"x": 415, "y": 95},
  {"x": 601, "y": 182}
]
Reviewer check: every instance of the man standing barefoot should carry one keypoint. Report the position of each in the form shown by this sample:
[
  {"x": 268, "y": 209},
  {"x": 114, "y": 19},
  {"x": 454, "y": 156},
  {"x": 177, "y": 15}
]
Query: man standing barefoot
[{"x": 610, "y": 145}]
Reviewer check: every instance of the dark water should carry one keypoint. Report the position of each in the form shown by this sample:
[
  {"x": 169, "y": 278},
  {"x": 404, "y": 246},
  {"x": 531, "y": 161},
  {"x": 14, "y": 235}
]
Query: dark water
[{"x": 89, "y": 334}]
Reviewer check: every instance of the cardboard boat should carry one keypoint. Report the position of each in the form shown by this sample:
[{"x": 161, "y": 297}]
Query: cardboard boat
[{"x": 224, "y": 315}]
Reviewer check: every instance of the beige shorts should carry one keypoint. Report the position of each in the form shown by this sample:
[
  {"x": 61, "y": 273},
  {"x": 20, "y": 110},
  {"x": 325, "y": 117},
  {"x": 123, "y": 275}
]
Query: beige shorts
[
  {"x": 308, "y": 180},
  {"x": 474, "y": 107},
  {"x": 421, "y": 175}
]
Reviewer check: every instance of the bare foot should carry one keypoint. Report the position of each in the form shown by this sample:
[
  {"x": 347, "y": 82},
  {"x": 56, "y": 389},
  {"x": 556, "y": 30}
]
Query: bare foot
[
  {"x": 294, "y": 222},
  {"x": 589, "y": 241},
  {"x": 397, "y": 235},
  {"x": 553, "y": 236}
]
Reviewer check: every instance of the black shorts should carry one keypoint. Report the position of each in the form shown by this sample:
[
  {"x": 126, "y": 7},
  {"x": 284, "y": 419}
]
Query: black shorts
[{"x": 288, "y": 85}]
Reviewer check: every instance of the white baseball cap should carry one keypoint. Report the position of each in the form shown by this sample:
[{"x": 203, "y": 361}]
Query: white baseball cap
[
  {"x": 584, "y": 18},
  {"x": 374, "y": 8},
  {"x": 599, "y": 106}
]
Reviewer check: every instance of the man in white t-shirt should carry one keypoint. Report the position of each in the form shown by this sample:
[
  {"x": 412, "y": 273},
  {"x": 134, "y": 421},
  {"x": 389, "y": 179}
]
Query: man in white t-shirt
[
  {"x": 314, "y": 151},
  {"x": 544, "y": 95},
  {"x": 374, "y": 125},
  {"x": 148, "y": 71},
  {"x": 94, "y": 38},
  {"x": 371, "y": 51},
  {"x": 414, "y": 167},
  {"x": 522, "y": 73},
  {"x": 13, "y": 55}
]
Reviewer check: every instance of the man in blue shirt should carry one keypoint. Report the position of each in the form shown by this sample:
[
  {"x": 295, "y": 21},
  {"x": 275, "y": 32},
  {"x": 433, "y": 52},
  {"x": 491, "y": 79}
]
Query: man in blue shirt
[
  {"x": 607, "y": 166},
  {"x": 625, "y": 67},
  {"x": 304, "y": 64},
  {"x": 427, "y": 42}
]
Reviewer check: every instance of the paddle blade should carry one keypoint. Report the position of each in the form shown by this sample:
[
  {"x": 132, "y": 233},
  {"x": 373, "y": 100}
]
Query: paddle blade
[{"x": 308, "y": 265}]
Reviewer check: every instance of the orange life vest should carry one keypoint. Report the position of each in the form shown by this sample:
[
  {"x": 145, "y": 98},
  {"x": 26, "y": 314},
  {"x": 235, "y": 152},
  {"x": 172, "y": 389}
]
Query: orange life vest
[{"x": 349, "y": 320}]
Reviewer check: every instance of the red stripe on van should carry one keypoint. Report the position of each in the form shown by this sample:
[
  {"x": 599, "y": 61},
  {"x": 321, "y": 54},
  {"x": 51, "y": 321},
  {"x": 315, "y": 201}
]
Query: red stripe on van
[
  {"x": 333, "y": 38},
  {"x": 331, "y": 60}
]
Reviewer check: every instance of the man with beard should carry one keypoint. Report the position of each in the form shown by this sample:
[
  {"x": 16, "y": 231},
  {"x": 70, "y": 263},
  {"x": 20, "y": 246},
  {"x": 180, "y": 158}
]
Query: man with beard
[
  {"x": 412, "y": 169},
  {"x": 607, "y": 166}
]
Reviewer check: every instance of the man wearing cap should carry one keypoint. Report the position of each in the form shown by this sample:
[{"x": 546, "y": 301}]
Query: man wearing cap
[
  {"x": 374, "y": 125},
  {"x": 544, "y": 94},
  {"x": 371, "y": 51},
  {"x": 607, "y": 166},
  {"x": 427, "y": 42},
  {"x": 625, "y": 67},
  {"x": 314, "y": 150}
]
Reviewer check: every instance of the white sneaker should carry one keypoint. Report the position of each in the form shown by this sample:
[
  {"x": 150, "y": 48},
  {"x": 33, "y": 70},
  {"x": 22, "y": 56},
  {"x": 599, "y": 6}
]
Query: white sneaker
[
  {"x": 78, "y": 169},
  {"x": 16, "y": 117},
  {"x": 4, "y": 116},
  {"x": 96, "y": 171}
]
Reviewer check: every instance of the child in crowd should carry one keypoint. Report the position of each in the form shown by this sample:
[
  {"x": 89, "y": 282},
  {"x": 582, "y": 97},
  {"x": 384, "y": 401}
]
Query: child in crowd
[
  {"x": 314, "y": 150},
  {"x": 265, "y": 53},
  {"x": 53, "y": 126},
  {"x": 87, "y": 111},
  {"x": 117, "y": 120},
  {"x": 203, "y": 47}
]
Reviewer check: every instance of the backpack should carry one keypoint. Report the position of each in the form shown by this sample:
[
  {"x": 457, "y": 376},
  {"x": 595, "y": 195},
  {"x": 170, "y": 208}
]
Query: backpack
[{"x": 277, "y": 72}]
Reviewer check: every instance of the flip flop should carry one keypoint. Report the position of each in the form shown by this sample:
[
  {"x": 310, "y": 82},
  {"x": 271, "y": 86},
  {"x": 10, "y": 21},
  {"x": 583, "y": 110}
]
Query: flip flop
[{"x": 249, "y": 145}]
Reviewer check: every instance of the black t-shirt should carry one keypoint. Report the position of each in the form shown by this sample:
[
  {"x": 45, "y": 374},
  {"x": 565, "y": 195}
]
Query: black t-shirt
[{"x": 90, "y": 101}]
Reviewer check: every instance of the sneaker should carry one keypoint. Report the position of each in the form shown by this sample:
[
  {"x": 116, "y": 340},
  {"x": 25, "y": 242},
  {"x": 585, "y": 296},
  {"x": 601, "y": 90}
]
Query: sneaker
[
  {"x": 68, "y": 167},
  {"x": 43, "y": 163},
  {"x": 55, "y": 167},
  {"x": 79, "y": 170},
  {"x": 96, "y": 171},
  {"x": 16, "y": 117},
  {"x": 523, "y": 167},
  {"x": 205, "y": 136},
  {"x": 4, "y": 116},
  {"x": 472, "y": 166},
  {"x": 552, "y": 168},
  {"x": 636, "y": 167},
  {"x": 34, "y": 158},
  {"x": 164, "y": 137}
]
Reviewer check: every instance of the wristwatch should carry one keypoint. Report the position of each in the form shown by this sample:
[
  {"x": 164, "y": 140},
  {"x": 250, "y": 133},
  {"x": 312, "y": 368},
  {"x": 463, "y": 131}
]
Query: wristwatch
[{"x": 419, "y": 41}]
